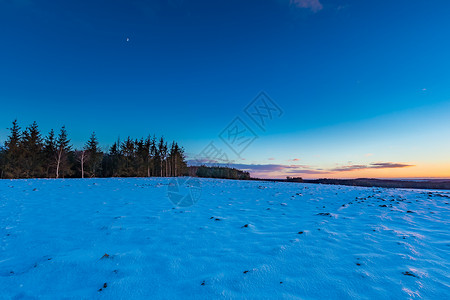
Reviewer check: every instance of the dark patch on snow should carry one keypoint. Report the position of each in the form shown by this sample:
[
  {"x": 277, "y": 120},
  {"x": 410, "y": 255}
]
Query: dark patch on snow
[
  {"x": 407, "y": 273},
  {"x": 323, "y": 214},
  {"x": 105, "y": 285}
]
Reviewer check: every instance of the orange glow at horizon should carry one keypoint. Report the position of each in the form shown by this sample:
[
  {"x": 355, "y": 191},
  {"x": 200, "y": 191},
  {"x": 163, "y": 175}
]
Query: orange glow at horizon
[{"x": 429, "y": 170}]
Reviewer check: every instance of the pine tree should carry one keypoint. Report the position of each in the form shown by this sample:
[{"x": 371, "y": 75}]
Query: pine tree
[
  {"x": 2, "y": 161},
  {"x": 153, "y": 156},
  {"x": 114, "y": 159},
  {"x": 148, "y": 159},
  {"x": 94, "y": 156},
  {"x": 49, "y": 150},
  {"x": 126, "y": 167},
  {"x": 142, "y": 157},
  {"x": 162, "y": 150},
  {"x": 27, "y": 154},
  {"x": 13, "y": 154},
  {"x": 177, "y": 158},
  {"x": 63, "y": 149},
  {"x": 31, "y": 145}
]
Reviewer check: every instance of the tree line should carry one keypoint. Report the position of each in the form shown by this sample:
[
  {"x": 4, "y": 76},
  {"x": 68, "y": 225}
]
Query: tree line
[
  {"x": 219, "y": 172},
  {"x": 27, "y": 154}
]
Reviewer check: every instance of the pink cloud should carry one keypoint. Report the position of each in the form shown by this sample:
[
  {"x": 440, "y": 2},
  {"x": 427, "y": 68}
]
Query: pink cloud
[
  {"x": 271, "y": 158},
  {"x": 295, "y": 159},
  {"x": 314, "y": 5}
]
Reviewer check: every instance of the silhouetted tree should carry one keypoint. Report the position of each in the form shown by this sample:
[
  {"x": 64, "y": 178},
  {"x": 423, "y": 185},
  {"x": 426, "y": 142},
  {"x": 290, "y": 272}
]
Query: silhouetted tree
[
  {"x": 93, "y": 155},
  {"x": 49, "y": 155},
  {"x": 63, "y": 149},
  {"x": 32, "y": 154},
  {"x": 13, "y": 153},
  {"x": 27, "y": 155}
]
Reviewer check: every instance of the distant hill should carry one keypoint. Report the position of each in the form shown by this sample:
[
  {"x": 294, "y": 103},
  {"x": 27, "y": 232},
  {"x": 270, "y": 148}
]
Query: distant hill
[{"x": 439, "y": 184}]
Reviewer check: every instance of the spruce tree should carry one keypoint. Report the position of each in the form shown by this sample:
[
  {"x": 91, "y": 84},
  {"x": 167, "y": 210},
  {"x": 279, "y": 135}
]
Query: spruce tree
[
  {"x": 13, "y": 152},
  {"x": 94, "y": 156},
  {"x": 126, "y": 167},
  {"x": 153, "y": 156},
  {"x": 63, "y": 149},
  {"x": 2, "y": 161},
  {"x": 27, "y": 154},
  {"x": 162, "y": 151},
  {"x": 31, "y": 145},
  {"x": 114, "y": 160},
  {"x": 50, "y": 154}
]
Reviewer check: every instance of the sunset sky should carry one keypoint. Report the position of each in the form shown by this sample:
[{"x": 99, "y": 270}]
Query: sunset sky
[{"x": 353, "y": 88}]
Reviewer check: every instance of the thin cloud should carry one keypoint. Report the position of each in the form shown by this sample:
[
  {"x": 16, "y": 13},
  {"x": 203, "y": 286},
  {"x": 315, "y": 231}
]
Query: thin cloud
[
  {"x": 295, "y": 159},
  {"x": 308, "y": 171},
  {"x": 271, "y": 158},
  {"x": 314, "y": 5},
  {"x": 265, "y": 168},
  {"x": 278, "y": 169},
  {"x": 379, "y": 165}
]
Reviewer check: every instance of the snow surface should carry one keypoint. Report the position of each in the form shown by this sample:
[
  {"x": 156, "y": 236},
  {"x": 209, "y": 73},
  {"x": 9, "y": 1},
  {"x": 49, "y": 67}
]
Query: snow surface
[{"x": 360, "y": 243}]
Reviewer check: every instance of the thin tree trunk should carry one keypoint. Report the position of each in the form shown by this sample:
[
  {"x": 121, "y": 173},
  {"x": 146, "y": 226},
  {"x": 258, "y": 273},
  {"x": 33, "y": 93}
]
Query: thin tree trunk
[
  {"x": 58, "y": 163},
  {"x": 175, "y": 166},
  {"x": 82, "y": 164}
]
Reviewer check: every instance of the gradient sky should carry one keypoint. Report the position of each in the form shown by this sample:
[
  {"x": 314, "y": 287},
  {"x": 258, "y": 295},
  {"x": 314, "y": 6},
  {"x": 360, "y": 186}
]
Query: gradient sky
[{"x": 364, "y": 86}]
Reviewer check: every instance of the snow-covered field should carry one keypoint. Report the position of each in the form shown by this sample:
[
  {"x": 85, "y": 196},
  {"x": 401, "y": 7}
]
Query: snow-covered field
[{"x": 124, "y": 239}]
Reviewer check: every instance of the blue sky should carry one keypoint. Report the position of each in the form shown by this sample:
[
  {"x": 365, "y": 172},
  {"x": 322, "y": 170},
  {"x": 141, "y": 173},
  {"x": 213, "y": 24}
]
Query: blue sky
[{"x": 363, "y": 85}]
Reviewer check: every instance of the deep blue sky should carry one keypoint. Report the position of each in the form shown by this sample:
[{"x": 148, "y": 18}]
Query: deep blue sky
[{"x": 360, "y": 82}]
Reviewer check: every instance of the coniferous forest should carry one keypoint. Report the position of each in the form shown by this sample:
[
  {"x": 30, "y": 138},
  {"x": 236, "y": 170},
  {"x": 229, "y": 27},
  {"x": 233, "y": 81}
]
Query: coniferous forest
[{"x": 28, "y": 153}]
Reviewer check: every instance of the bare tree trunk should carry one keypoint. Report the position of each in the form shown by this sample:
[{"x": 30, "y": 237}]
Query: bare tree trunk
[
  {"x": 175, "y": 166},
  {"x": 83, "y": 155},
  {"x": 58, "y": 162}
]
